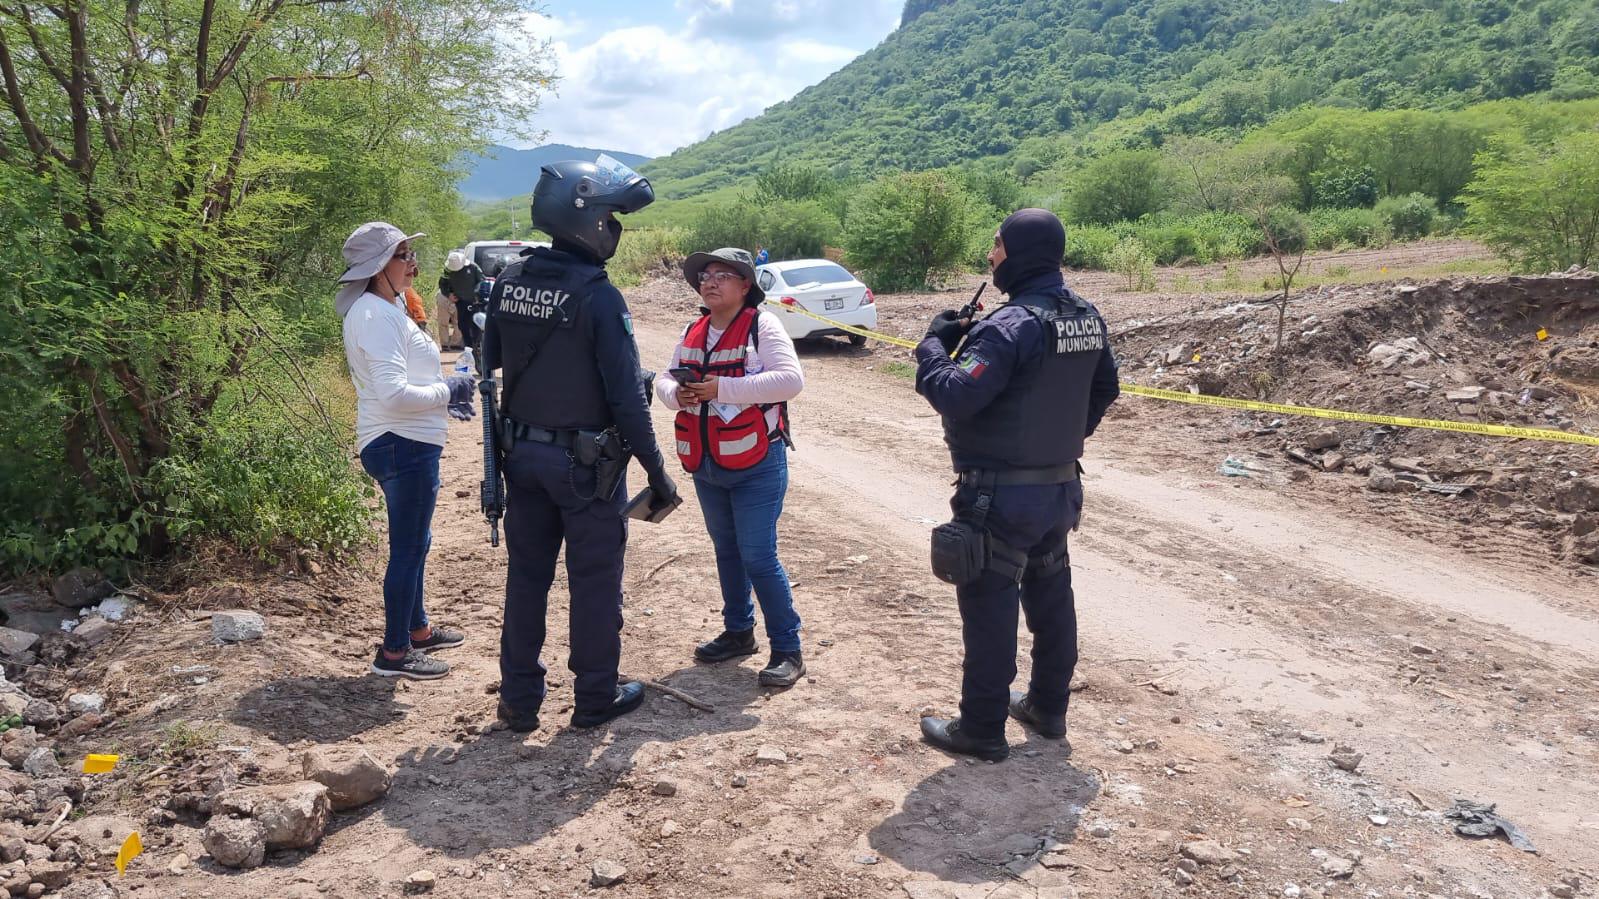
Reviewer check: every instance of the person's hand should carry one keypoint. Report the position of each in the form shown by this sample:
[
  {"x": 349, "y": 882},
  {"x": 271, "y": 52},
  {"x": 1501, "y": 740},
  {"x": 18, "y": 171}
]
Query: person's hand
[
  {"x": 949, "y": 328},
  {"x": 662, "y": 486},
  {"x": 700, "y": 391},
  {"x": 461, "y": 388},
  {"x": 462, "y": 411}
]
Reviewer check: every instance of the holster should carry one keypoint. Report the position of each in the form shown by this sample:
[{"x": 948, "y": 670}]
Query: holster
[{"x": 603, "y": 451}]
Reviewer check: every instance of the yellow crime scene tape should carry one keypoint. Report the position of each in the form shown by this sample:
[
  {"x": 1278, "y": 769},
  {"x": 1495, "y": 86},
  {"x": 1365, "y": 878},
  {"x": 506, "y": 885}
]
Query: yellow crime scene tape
[{"x": 1227, "y": 402}]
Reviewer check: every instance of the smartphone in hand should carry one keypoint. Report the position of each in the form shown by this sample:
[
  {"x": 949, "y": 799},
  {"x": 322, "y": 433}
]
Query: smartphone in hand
[{"x": 683, "y": 375}]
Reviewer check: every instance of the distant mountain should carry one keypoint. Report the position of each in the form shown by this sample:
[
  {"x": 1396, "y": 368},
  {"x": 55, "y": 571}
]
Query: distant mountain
[
  {"x": 502, "y": 172},
  {"x": 967, "y": 79}
]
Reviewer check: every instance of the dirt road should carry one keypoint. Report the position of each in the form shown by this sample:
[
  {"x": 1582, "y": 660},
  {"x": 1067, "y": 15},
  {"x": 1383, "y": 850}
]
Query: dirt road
[{"x": 1230, "y": 639}]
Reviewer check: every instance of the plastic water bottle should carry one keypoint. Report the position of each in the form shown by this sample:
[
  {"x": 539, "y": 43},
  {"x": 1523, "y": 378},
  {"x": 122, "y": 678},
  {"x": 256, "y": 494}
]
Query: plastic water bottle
[{"x": 466, "y": 364}]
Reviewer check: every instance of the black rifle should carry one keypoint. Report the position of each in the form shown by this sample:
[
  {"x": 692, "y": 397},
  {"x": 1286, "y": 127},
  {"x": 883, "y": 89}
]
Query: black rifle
[{"x": 491, "y": 492}]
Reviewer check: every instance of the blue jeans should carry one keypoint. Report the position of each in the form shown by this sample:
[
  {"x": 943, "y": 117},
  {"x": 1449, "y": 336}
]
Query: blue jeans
[
  {"x": 408, "y": 473},
  {"x": 741, "y": 510}
]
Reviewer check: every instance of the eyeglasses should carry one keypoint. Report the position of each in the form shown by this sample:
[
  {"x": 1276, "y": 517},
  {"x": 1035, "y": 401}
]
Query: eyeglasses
[
  {"x": 408, "y": 255},
  {"x": 720, "y": 277}
]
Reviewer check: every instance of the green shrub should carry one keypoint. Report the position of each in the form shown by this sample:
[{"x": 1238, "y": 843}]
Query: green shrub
[
  {"x": 1344, "y": 188},
  {"x": 643, "y": 249},
  {"x": 1132, "y": 260},
  {"x": 1088, "y": 245},
  {"x": 787, "y": 229},
  {"x": 1335, "y": 229},
  {"x": 1408, "y": 217},
  {"x": 910, "y": 229},
  {"x": 1123, "y": 186},
  {"x": 1539, "y": 206}
]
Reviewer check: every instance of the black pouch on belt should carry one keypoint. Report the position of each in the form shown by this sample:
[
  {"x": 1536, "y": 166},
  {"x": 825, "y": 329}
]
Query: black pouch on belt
[{"x": 960, "y": 552}]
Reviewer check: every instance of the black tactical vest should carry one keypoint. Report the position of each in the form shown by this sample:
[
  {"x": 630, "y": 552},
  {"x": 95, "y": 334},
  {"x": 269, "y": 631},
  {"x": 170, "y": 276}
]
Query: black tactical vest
[
  {"x": 1038, "y": 420},
  {"x": 540, "y": 309}
]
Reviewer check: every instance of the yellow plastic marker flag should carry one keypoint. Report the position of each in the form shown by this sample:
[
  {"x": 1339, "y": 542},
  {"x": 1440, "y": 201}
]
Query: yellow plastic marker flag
[
  {"x": 99, "y": 764},
  {"x": 1196, "y": 357},
  {"x": 1543, "y": 334},
  {"x": 131, "y": 847}
]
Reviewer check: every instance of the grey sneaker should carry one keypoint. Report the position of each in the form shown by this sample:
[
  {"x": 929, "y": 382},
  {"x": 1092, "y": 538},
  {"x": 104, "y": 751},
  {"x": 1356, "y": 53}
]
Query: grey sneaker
[
  {"x": 416, "y": 665},
  {"x": 441, "y": 638}
]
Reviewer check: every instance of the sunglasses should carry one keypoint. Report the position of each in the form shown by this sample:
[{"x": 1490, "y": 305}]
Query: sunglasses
[
  {"x": 407, "y": 255},
  {"x": 719, "y": 277}
]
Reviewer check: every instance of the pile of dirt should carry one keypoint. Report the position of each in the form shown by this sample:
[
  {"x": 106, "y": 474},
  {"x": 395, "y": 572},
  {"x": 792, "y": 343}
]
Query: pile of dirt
[
  {"x": 1514, "y": 351},
  {"x": 1464, "y": 350}
]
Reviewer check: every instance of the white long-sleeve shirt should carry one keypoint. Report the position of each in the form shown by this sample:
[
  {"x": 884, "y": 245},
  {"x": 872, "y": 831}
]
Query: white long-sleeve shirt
[
  {"x": 395, "y": 367},
  {"x": 772, "y": 373}
]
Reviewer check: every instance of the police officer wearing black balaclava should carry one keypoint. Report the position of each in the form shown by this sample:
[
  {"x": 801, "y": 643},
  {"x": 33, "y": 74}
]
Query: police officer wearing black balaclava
[
  {"x": 575, "y": 407},
  {"x": 1025, "y": 387}
]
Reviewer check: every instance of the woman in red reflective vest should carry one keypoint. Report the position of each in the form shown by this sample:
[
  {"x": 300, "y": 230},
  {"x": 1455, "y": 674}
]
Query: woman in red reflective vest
[{"x": 732, "y": 435}]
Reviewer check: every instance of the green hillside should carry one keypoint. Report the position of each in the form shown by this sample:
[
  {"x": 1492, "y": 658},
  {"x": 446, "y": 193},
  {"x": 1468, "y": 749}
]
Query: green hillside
[{"x": 967, "y": 79}]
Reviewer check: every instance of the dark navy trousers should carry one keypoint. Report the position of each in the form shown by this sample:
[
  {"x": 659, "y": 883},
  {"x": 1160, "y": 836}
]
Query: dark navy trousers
[
  {"x": 550, "y": 498},
  {"x": 1035, "y": 520}
]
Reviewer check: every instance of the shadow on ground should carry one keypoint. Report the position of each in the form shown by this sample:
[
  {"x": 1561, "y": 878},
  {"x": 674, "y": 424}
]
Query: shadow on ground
[
  {"x": 321, "y": 709},
  {"x": 977, "y": 823},
  {"x": 494, "y": 793}
]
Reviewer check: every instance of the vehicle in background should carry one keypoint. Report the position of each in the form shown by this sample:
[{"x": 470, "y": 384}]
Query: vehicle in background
[
  {"x": 489, "y": 253},
  {"x": 820, "y": 286}
]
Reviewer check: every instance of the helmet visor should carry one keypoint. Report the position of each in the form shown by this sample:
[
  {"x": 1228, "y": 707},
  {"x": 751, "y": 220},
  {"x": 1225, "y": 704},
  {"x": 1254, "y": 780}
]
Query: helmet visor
[{"x": 629, "y": 190}]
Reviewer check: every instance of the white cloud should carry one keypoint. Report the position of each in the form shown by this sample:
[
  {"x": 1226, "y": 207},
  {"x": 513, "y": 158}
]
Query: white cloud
[{"x": 651, "y": 88}]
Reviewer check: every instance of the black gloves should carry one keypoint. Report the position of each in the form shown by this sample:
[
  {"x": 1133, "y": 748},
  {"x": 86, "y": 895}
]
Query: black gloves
[
  {"x": 461, "y": 389},
  {"x": 660, "y": 484},
  {"x": 949, "y": 328}
]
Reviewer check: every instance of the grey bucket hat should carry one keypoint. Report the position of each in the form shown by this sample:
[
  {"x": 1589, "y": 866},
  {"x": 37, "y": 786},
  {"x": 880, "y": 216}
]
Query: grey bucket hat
[
  {"x": 366, "y": 251},
  {"x": 741, "y": 260}
]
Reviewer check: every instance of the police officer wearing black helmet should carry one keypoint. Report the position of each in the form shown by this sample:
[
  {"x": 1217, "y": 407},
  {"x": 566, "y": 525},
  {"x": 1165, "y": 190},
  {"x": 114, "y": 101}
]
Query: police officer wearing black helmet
[
  {"x": 1026, "y": 385},
  {"x": 575, "y": 408}
]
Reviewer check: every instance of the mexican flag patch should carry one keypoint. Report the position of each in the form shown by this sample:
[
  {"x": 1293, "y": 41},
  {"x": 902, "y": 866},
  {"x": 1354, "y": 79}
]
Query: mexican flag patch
[{"x": 973, "y": 364}]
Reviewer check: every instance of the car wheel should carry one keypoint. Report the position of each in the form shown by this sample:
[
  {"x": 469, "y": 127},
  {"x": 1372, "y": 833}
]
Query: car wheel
[{"x": 857, "y": 340}]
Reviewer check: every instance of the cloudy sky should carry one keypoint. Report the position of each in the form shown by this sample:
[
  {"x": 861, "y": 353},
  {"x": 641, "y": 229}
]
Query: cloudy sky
[{"x": 649, "y": 76}]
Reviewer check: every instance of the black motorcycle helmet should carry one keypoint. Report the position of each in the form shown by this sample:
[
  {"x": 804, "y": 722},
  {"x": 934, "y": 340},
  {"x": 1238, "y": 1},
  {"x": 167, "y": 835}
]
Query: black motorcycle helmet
[{"x": 576, "y": 202}]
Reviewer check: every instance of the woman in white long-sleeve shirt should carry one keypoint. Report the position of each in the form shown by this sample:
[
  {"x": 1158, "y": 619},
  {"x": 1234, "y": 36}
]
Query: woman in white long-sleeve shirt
[
  {"x": 730, "y": 379},
  {"x": 399, "y": 432}
]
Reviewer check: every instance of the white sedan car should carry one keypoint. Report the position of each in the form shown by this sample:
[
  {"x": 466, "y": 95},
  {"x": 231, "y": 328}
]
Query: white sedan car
[{"x": 822, "y": 287}]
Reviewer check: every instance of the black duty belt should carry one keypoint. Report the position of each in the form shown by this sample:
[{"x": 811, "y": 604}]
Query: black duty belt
[
  {"x": 1019, "y": 477},
  {"x": 520, "y": 431}
]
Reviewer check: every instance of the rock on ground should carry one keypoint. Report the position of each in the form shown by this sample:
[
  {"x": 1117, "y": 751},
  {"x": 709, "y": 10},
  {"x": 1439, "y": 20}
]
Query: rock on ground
[
  {"x": 235, "y": 842},
  {"x": 97, "y": 834},
  {"x": 81, "y": 587},
  {"x": 237, "y": 626},
  {"x": 607, "y": 873},
  {"x": 353, "y": 779},
  {"x": 292, "y": 816},
  {"x": 1209, "y": 852},
  {"x": 14, "y": 642}
]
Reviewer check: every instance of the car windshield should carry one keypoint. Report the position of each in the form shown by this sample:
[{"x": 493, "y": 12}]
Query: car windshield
[
  {"x": 488, "y": 257},
  {"x": 821, "y": 273}
]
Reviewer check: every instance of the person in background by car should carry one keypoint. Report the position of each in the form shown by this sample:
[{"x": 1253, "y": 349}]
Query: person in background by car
[
  {"x": 761, "y": 256},
  {"x": 413, "y": 300},
  {"x": 732, "y": 435},
  {"x": 445, "y": 319},
  {"x": 460, "y": 283},
  {"x": 399, "y": 433}
]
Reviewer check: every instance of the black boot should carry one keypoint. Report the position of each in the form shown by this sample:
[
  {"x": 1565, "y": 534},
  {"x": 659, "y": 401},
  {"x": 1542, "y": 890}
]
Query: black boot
[
  {"x": 945, "y": 733},
  {"x": 521, "y": 722},
  {"x": 629, "y": 696},
  {"x": 1042, "y": 723},
  {"x": 784, "y": 670},
  {"x": 730, "y": 645}
]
